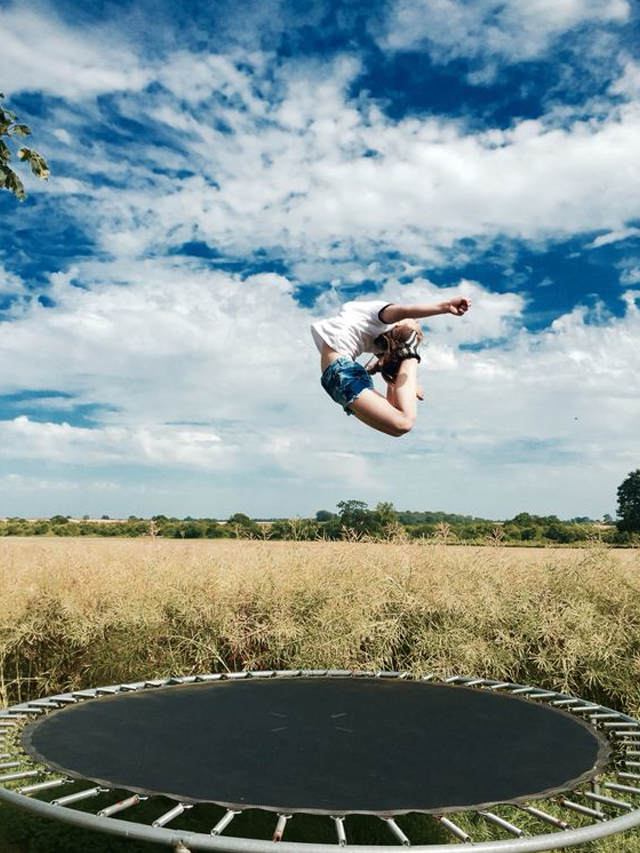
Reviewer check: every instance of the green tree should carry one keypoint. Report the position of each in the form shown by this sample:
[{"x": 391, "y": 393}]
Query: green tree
[
  {"x": 243, "y": 527},
  {"x": 354, "y": 516},
  {"x": 629, "y": 503},
  {"x": 324, "y": 515},
  {"x": 385, "y": 515},
  {"x": 11, "y": 129}
]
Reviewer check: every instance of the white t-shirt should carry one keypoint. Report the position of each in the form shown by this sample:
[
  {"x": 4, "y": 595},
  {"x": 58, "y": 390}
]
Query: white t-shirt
[{"x": 353, "y": 330}]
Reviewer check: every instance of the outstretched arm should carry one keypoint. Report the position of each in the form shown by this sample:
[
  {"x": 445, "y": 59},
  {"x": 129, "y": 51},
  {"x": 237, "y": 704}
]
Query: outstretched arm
[{"x": 458, "y": 306}]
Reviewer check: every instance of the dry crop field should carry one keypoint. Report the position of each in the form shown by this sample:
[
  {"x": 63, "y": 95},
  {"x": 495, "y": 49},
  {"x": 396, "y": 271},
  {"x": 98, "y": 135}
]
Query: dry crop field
[
  {"x": 76, "y": 613},
  {"x": 86, "y": 612}
]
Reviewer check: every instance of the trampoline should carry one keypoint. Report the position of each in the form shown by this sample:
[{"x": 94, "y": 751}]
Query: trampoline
[{"x": 332, "y": 744}]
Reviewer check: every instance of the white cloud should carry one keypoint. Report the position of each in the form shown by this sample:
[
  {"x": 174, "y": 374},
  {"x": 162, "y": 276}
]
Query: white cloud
[
  {"x": 613, "y": 237},
  {"x": 297, "y": 180},
  {"x": 157, "y": 446},
  {"x": 629, "y": 83},
  {"x": 38, "y": 52},
  {"x": 281, "y": 157},
  {"x": 10, "y": 284},
  {"x": 630, "y": 276},
  {"x": 514, "y": 30}
]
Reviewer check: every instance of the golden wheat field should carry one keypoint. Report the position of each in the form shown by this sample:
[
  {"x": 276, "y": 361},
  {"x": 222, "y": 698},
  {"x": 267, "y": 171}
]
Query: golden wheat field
[{"x": 77, "y": 613}]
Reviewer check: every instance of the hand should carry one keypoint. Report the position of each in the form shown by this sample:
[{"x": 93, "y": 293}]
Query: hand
[{"x": 458, "y": 306}]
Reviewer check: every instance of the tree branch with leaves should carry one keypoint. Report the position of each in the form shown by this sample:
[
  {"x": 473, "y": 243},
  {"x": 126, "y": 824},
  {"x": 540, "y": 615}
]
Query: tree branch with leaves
[{"x": 10, "y": 129}]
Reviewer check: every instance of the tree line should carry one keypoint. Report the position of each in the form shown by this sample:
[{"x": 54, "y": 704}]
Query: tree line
[{"x": 354, "y": 520}]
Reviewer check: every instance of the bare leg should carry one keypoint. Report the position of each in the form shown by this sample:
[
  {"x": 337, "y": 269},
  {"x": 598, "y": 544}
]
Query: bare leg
[
  {"x": 391, "y": 393},
  {"x": 393, "y": 419}
]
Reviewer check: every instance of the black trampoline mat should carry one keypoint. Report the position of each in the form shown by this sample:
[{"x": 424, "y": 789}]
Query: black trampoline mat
[{"x": 326, "y": 745}]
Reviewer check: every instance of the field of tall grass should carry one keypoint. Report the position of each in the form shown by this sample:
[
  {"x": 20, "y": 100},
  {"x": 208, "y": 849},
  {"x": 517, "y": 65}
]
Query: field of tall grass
[{"x": 80, "y": 613}]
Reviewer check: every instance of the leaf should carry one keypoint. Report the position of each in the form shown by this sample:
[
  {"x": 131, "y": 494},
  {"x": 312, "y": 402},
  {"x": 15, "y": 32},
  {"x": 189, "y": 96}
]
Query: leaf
[
  {"x": 5, "y": 153},
  {"x": 38, "y": 164},
  {"x": 21, "y": 130},
  {"x": 9, "y": 180}
]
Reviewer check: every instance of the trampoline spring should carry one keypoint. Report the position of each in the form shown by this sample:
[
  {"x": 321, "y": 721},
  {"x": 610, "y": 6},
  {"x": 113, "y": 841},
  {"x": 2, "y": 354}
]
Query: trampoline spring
[
  {"x": 608, "y": 801},
  {"x": 631, "y": 763},
  {"x": 6, "y": 765},
  {"x": 395, "y": 829},
  {"x": 427, "y": 676},
  {"x": 560, "y": 702},
  {"x": 501, "y": 822},
  {"x": 280, "y": 827},
  {"x": 578, "y": 807},
  {"x": 547, "y": 694},
  {"x": 547, "y": 818},
  {"x": 10, "y": 724},
  {"x": 224, "y": 822},
  {"x": 121, "y": 806},
  {"x": 523, "y": 690},
  {"x": 78, "y": 796},
  {"x": 172, "y": 814},
  {"x": 4, "y": 756},
  {"x": 453, "y": 828},
  {"x": 338, "y": 822},
  {"x": 499, "y": 685},
  {"x": 627, "y": 789},
  {"x": 25, "y": 774},
  {"x": 42, "y": 786},
  {"x": 610, "y": 715},
  {"x": 585, "y": 709},
  {"x": 634, "y": 752},
  {"x": 621, "y": 724},
  {"x": 624, "y": 775}
]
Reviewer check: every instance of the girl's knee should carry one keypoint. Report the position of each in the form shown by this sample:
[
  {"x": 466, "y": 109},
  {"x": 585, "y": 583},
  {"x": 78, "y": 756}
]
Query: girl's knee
[{"x": 403, "y": 424}]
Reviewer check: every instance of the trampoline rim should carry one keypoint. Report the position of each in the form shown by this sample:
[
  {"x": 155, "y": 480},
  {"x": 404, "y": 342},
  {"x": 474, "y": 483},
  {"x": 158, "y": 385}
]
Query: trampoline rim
[{"x": 185, "y": 840}]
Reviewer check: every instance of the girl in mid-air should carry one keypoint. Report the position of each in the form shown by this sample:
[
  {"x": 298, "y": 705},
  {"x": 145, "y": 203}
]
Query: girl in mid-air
[{"x": 391, "y": 333}]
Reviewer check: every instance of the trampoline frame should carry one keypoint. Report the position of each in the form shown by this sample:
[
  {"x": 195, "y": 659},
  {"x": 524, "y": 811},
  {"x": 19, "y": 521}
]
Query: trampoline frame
[{"x": 21, "y": 777}]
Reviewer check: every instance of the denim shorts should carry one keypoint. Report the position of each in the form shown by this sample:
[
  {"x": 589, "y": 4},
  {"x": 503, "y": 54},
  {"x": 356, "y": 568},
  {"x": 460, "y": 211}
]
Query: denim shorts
[{"x": 344, "y": 380}]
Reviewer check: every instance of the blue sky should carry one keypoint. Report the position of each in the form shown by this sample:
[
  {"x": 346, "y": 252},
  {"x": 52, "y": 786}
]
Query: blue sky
[{"x": 223, "y": 174}]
